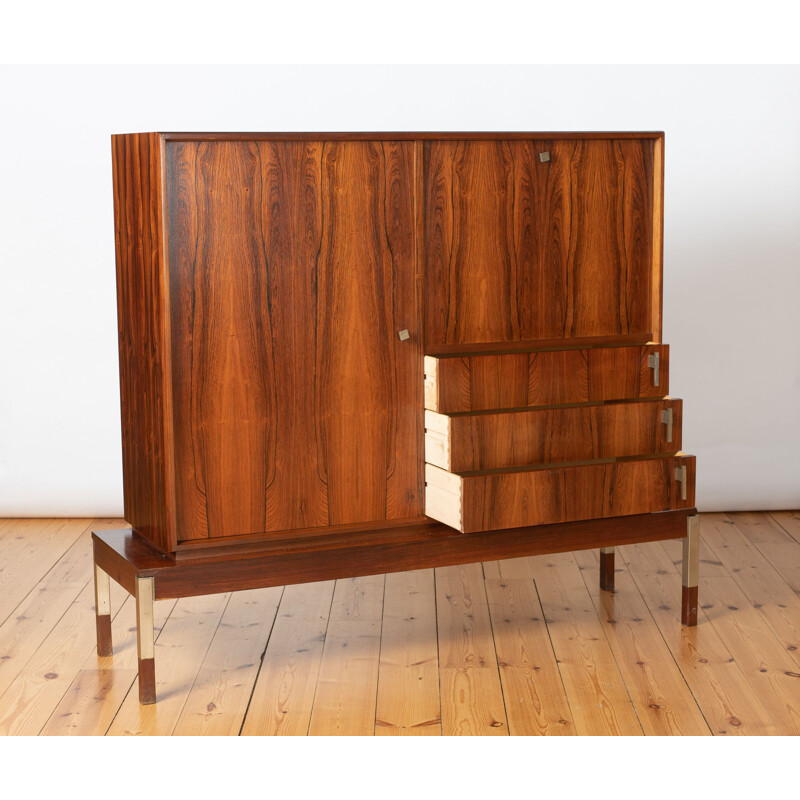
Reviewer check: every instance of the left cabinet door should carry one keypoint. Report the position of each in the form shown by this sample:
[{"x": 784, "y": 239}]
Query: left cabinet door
[{"x": 291, "y": 270}]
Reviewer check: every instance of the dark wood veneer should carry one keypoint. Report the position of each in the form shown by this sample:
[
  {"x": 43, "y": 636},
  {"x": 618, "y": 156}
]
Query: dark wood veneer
[
  {"x": 540, "y": 378},
  {"x": 103, "y": 625},
  {"x": 298, "y": 390},
  {"x": 124, "y": 555},
  {"x": 525, "y": 496},
  {"x": 607, "y": 571},
  {"x": 689, "y": 605},
  {"x": 143, "y": 322},
  {"x": 567, "y": 433},
  {"x": 563, "y": 249},
  {"x": 404, "y": 136}
]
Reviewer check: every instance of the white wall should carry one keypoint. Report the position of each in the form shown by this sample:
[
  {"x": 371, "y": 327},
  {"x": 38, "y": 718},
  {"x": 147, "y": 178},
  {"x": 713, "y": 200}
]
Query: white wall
[{"x": 732, "y": 240}]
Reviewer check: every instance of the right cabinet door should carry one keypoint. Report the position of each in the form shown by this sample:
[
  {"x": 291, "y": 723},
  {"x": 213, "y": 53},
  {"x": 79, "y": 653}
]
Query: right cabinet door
[{"x": 527, "y": 240}]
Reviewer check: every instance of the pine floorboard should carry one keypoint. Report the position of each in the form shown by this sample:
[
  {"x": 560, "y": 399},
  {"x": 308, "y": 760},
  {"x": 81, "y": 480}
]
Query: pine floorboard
[{"x": 521, "y": 647}]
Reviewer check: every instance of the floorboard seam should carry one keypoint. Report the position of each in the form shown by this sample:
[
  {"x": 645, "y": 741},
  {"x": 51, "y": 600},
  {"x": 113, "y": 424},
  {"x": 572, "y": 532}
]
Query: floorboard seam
[
  {"x": 261, "y": 661},
  {"x": 555, "y": 656},
  {"x": 494, "y": 649},
  {"x": 321, "y": 659}
]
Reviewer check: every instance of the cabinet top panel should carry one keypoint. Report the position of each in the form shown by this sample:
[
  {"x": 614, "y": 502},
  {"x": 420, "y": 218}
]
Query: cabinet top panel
[{"x": 408, "y": 135}]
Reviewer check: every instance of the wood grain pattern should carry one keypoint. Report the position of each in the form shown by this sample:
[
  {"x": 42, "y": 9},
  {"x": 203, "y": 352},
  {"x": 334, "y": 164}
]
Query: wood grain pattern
[
  {"x": 772, "y": 538},
  {"x": 180, "y": 649},
  {"x": 366, "y": 553},
  {"x": 607, "y": 576},
  {"x": 766, "y": 586},
  {"x": 471, "y": 694},
  {"x": 41, "y": 680},
  {"x": 66, "y": 689},
  {"x": 220, "y": 696},
  {"x": 598, "y": 697},
  {"x": 520, "y": 438},
  {"x": 768, "y": 667},
  {"x": 90, "y": 704},
  {"x": 507, "y": 499},
  {"x": 283, "y": 694},
  {"x": 402, "y": 136},
  {"x": 538, "y": 345},
  {"x": 29, "y": 555},
  {"x": 535, "y": 701},
  {"x": 564, "y": 247},
  {"x": 663, "y": 702},
  {"x": 46, "y": 600},
  {"x": 789, "y": 521},
  {"x": 408, "y": 676},
  {"x": 550, "y": 377},
  {"x": 657, "y": 280},
  {"x": 344, "y": 703},
  {"x": 727, "y": 701},
  {"x": 292, "y": 266},
  {"x": 144, "y": 357},
  {"x": 223, "y": 371}
]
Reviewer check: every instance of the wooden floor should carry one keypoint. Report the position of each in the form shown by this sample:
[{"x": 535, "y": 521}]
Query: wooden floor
[{"x": 519, "y": 647}]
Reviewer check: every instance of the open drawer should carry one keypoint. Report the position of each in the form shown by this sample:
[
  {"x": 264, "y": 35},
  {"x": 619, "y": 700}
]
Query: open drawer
[
  {"x": 531, "y": 436},
  {"x": 480, "y": 382},
  {"x": 512, "y": 498}
]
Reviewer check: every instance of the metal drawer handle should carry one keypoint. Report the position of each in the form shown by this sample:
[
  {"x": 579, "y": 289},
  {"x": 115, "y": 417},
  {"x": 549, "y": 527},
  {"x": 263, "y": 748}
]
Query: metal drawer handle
[
  {"x": 666, "y": 419},
  {"x": 403, "y": 335},
  {"x": 680, "y": 477},
  {"x": 654, "y": 362}
]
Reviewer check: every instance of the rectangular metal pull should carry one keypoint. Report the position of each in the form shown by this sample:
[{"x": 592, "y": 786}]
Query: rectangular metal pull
[
  {"x": 654, "y": 362},
  {"x": 680, "y": 477},
  {"x": 666, "y": 419}
]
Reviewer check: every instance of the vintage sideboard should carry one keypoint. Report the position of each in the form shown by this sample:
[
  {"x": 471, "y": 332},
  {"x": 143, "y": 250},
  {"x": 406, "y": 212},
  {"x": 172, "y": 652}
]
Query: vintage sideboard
[{"x": 353, "y": 353}]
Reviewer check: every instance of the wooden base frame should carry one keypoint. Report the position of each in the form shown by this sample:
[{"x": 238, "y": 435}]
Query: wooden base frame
[{"x": 150, "y": 575}]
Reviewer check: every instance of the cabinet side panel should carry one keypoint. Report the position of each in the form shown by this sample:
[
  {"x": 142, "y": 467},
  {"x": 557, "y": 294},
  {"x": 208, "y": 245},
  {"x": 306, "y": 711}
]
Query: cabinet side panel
[
  {"x": 292, "y": 269},
  {"x": 520, "y": 248},
  {"x": 142, "y": 346}
]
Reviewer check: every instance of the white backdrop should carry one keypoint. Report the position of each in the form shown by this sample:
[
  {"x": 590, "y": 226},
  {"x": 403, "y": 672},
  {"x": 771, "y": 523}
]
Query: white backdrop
[{"x": 731, "y": 256}]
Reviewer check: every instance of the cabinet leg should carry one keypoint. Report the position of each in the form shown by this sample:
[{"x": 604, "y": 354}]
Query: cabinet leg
[
  {"x": 102, "y": 604},
  {"x": 145, "y": 638},
  {"x": 607, "y": 568},
  {"x": 691, "y": 567}
]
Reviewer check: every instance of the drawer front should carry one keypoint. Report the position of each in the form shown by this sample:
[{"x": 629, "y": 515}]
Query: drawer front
[
  {"x": 513, "y": 499},
  {"x": 469, "y": 442},
  {"x": 549, "y": 377}
]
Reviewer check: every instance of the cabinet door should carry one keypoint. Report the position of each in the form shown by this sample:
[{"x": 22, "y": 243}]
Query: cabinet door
[
  {"x": 519, "y": 247},
  {"x": 291, "y": 272}
]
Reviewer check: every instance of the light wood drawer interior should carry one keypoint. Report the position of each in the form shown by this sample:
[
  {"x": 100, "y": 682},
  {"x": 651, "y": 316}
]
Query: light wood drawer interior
[
  {"x": 482, "y": 501},
  {"x": 549, "y": 377},
  {"x": 495, "y": 440}
]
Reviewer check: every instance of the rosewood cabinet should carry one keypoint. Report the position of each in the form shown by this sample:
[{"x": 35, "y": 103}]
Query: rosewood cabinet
[{"x": 343, "y": 354}]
